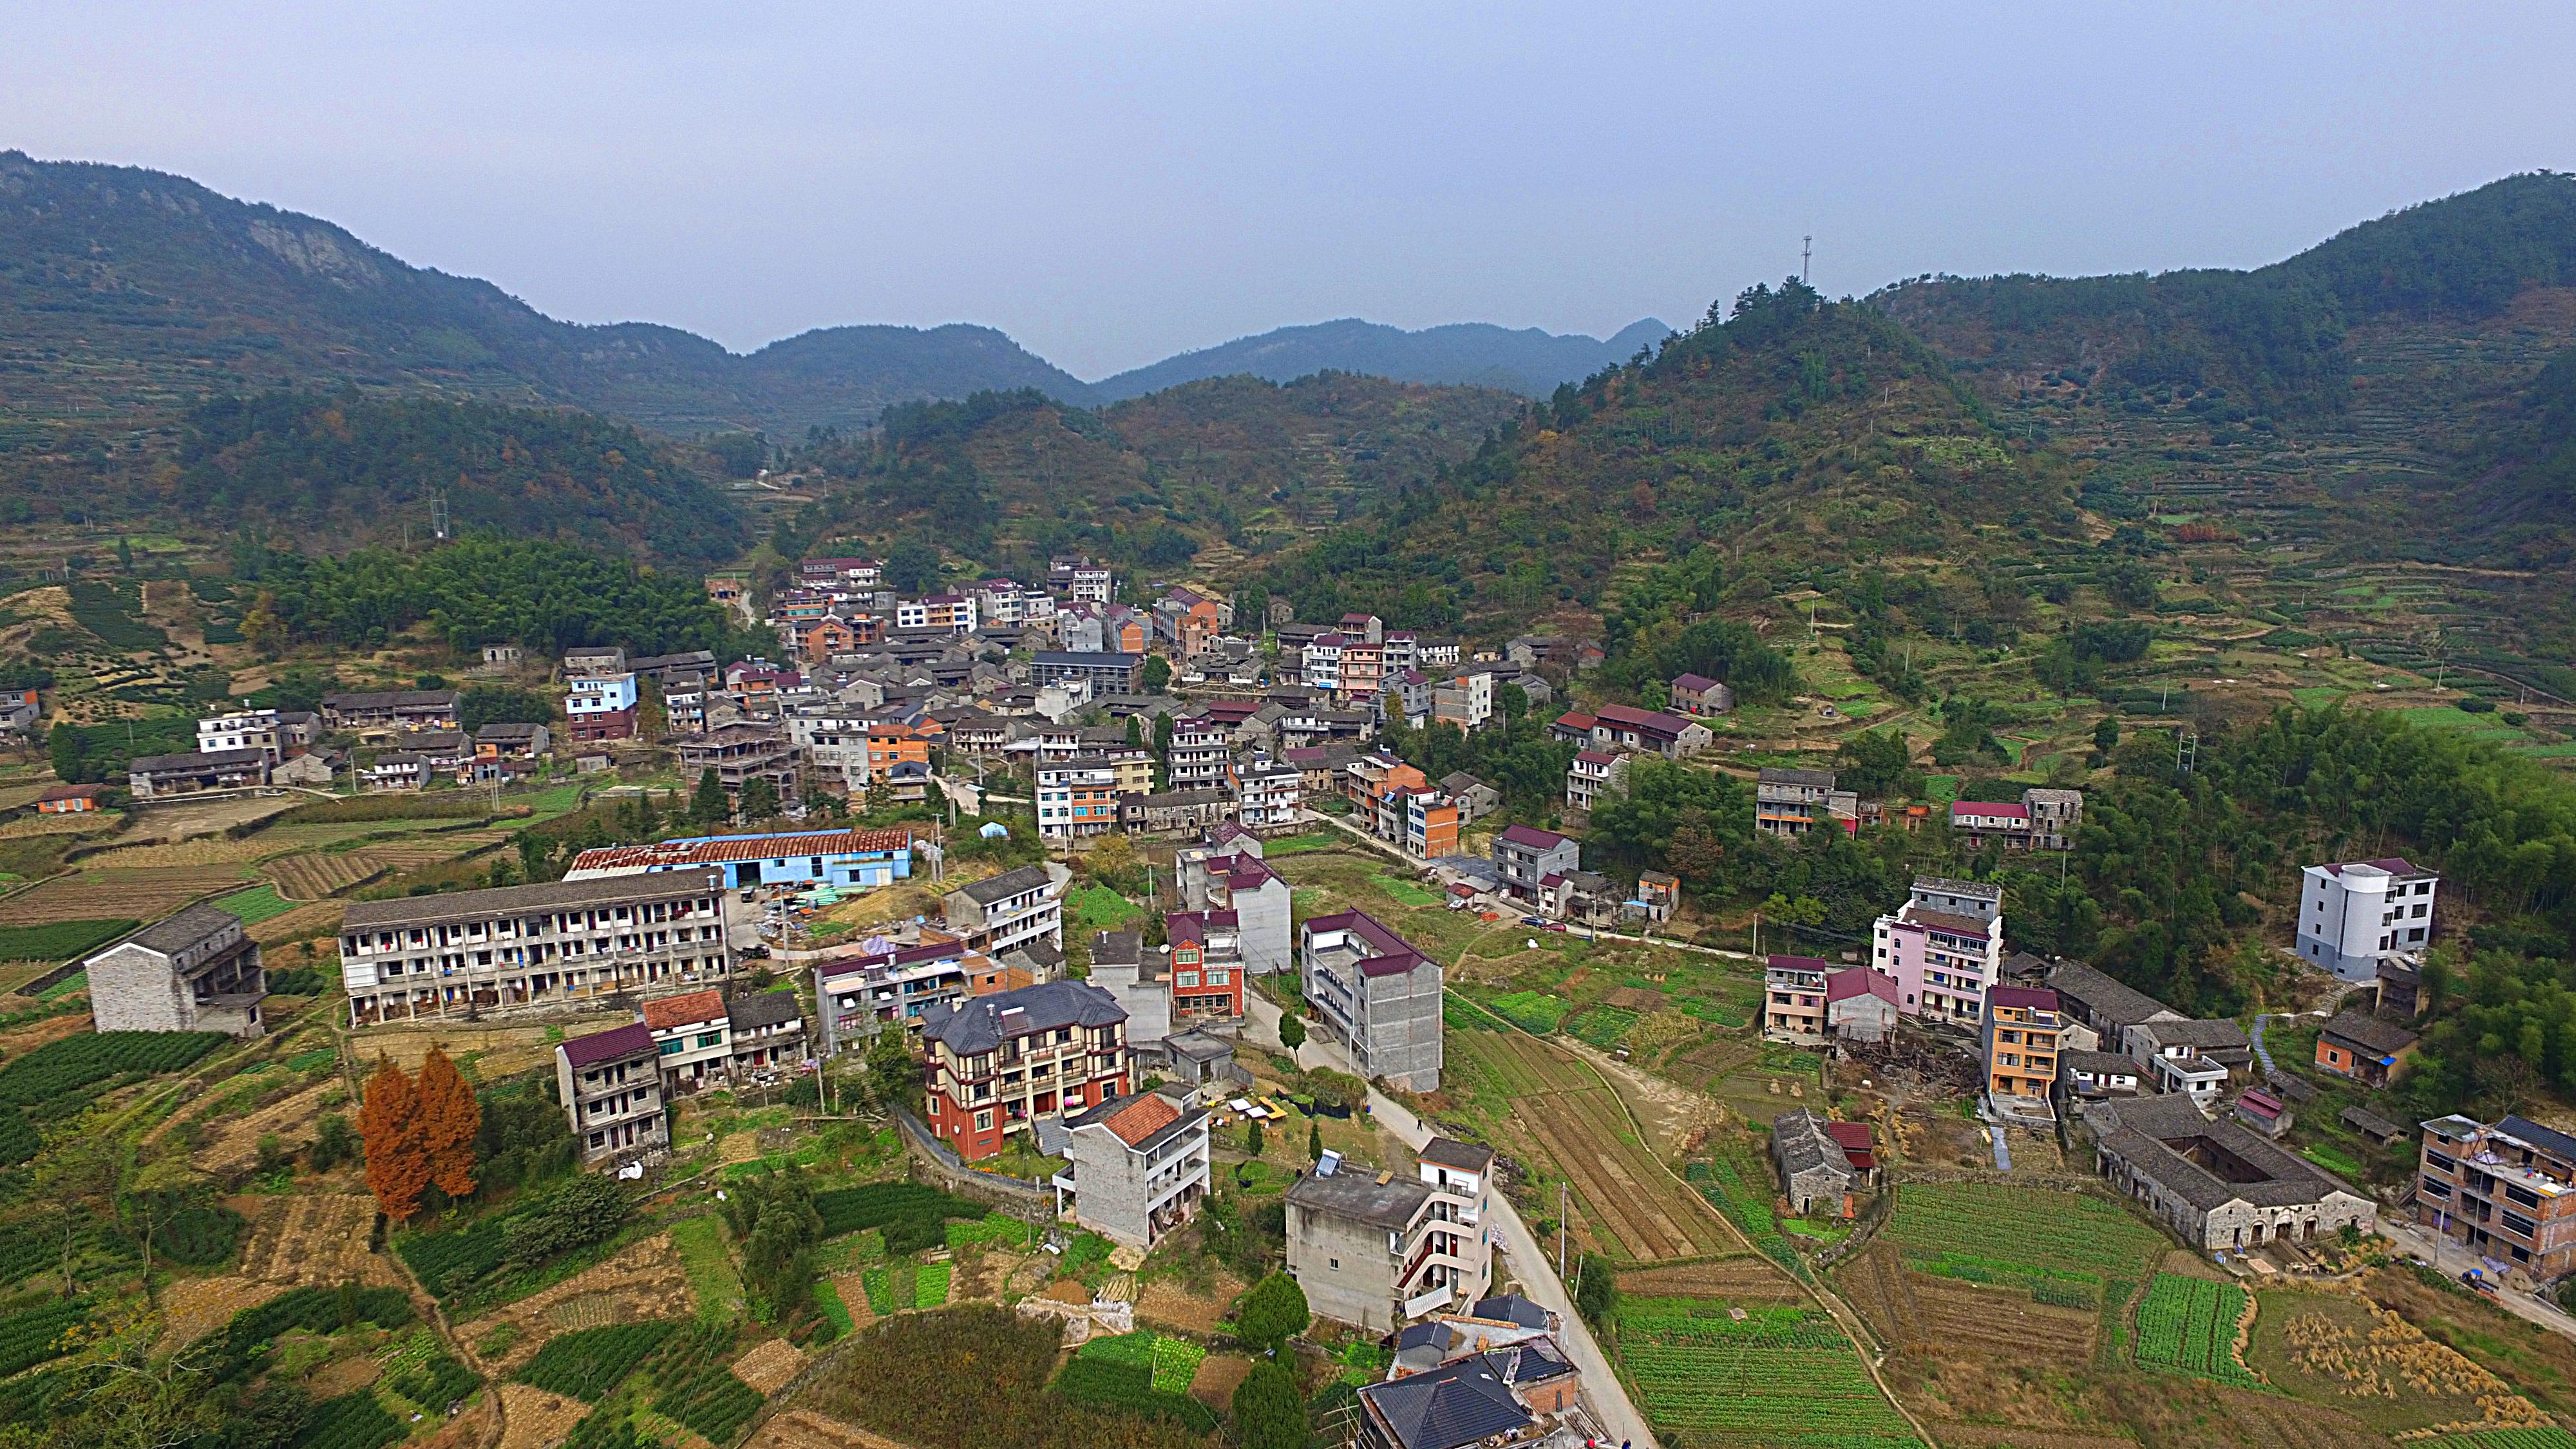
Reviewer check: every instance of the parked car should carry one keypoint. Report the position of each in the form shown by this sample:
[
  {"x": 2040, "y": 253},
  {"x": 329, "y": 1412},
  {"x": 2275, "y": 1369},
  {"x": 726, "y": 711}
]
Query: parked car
[{"x": 1533, "y": 920}]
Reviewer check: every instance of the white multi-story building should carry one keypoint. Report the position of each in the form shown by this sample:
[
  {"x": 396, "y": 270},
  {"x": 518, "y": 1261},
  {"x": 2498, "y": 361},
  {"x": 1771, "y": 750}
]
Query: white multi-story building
[
  {"x": 2356, "y": 914},
  {"x": 1324, "y": 663},
  {"x": 274, "y": 733},
  {"x": 952, "y": 612},
  {"x": 1267, "y": 792},
  {"x": 533, "y": 945},
  {"x": 1201, "y": 755},
  {"x": 1593, "y": 772},
  {"x": 1077, "y": 796}
]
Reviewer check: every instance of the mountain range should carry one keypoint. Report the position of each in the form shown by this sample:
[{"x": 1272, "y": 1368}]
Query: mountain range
[{"x": 129, "y": 294}]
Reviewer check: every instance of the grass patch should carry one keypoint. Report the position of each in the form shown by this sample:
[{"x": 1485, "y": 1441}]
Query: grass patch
[
  {"x": 1300, "y": 845},
  {"x": 713, "y": 1279},
  {"x": 1405, "y": 891},
  {"x": 256, "y": 904},
  {"x": 1531, "y": 1011},
  {"x": 2331, "y": 1160},
  {"x": 1098, "y": 908}
]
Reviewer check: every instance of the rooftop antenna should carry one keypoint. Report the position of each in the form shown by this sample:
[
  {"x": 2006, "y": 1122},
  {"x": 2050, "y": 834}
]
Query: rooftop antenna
[{"x": 1806, "y": 254}]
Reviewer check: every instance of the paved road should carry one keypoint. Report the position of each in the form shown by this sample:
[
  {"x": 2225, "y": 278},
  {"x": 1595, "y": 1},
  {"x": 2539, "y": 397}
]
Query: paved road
[
  {"x": 2452, "y": 1260},
  {"x": 1530, "y": 1263}
]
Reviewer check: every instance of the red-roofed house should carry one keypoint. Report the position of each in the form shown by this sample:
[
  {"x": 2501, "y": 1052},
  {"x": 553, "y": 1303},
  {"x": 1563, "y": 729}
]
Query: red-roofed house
[
  {"x": 68, "y": 799},
  {"x": 1619, "y": 726},
  {"x": 1698, "y": 694},
  {"x": 1978, "y": 821},
  {"x": 691, "y": 1036},
  {"x": 1137, "y": 1167},
  {"x": 1860, "y": 1005},
  {"x": 1574, "y": 727},
  {"x": 1853, "y": 1138}
]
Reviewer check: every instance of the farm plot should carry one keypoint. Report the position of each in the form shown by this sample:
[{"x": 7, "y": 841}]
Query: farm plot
[
  {"x": 1752, "y": 1375},
  {"x": 1638, "y": 1211},
  {"x": 2342, "y": 1350},
  {"x": 805, "y": 1429},
  {"x": 536, "y": 1419},
  {"x": 2190, "y": 1325},
  {"x": 301, "y": 923},
  {"x": 317, "y": 1238},
  {"x": 2062, "y": 1246},
  {"x": 204, "y": 850},
  {"x": 1945, "y": 1317},
  {"x": 645, "y": 1280},
  {"x": 234, "y": 1144},
  {"x": 311, "y": 877},
  {"x": 1744, "y": 1278},
  {"x": 91, "y": 895}
]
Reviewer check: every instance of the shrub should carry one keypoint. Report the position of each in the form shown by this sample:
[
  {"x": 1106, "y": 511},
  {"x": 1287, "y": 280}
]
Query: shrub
[
  {"x": 30, "y": 1336},
  {"x": 199, "y": 1237},
  {"x": 434, "y": 1382}
]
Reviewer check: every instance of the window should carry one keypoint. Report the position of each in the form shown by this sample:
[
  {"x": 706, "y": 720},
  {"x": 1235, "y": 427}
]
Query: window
[
  {"x": 2522, "y": 1195},
  {"x": 671, "y": 1048},
  {"x": 710, "y": 1038},
  {"x": 983, "y": 1121},
  {"x": 2517, "y": 1224},
  {"x": 2446, "y": 1164}
]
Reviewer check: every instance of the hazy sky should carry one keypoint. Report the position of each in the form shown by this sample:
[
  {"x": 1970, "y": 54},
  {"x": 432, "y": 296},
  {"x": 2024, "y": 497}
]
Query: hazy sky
[{"x": 1111, "y": 183}]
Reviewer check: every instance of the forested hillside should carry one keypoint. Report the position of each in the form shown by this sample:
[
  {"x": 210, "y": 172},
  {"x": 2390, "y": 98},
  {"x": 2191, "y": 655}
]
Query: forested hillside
[
  {"x": 1235, "y": 464},
  {"x": 1793, "y": 430},
  {"x": 349, "y": 467}
]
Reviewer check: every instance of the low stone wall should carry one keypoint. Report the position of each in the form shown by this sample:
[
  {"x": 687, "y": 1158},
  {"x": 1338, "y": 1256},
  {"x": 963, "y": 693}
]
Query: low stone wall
[{"x": 940, "y": 1164}]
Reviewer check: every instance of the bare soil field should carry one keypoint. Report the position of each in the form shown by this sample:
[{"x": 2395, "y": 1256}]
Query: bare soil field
[
  {"x": 534, "y": 1419},
  {"x": 34, "y": 1034},
  {"x": 1219, "y": 1375},
  {"x": 1622, "y": 1185},
  {"x": 201, "y": 850},
  {"x": 1709, "y": 1061},
  {"x": 644, "y": 1281},
  {"x": 191, "y": 1308},
  {"x": 854, "y": 1296},
  {"x": 318, "y": 1238},
  {"x": 1171, "y": 1304},
  {"x": 234, "y": 1145},
  {"x": 769, "y": 1365},
  {"x": 502, "y": 1050},
  {"x": 87, "y": 822},
  {"x": 92, "y": 895},
  {"x": 2195, "y": 1414},
  {"x": 1746, "y": 1278},
  {"x": 302, "y": 923},
  {"x": 212, "y": 817}
]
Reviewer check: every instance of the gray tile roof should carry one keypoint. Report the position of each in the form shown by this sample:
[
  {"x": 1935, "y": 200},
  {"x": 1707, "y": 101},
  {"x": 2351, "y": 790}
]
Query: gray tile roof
[
  {"x": 2142, "y": 1130},
  {"x": 763, "y": 1008},
  {"x": 186, "y": 929},
  {"x": 970, "y": 1027},
  {"x": 2385, "y": 1038},
  {"x": 2103, "y": 999},
  {"x": 1006, "y": 885},
  {"x": 1462, "y": 1403},
  {"x": 1799, "y": 1140}
]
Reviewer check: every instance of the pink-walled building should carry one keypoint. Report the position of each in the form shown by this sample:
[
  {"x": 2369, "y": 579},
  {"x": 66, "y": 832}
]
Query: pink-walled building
[{"x": 1944, "y": 948}]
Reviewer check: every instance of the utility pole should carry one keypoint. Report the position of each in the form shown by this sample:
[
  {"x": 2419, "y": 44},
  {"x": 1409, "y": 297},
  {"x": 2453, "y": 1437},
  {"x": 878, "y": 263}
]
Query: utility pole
[
  {"x": 1560, "y": 1232},
  {"x": 1806, "y": 254}
]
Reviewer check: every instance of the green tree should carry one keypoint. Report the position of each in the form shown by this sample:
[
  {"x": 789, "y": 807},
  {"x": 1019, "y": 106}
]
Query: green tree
[
  {"x": 1163, "y": 751},
  {"x": 1634, "y": 828},
  {"x": 912, "y": 566},
  {"x": 1273, "y": 1311},
  {"x": 1268, "y": 1412},
  {"x": 1252, "y": 1138},
  {"x": 1292, "y": 1032},
  {"x": 709, "y": 805},
  {"x": 775, "y": 1227},
  {"x": 1596, "y": 1292},
  {"x": 1315, "y": 1141},
  {"x": 2106, "y": 734},
  {"x": 1877, "y": 763},
  {"x": 893, "y": 1074},
  {"x": 759, "y": 799},
  {"x": 1158, "y": 674}
]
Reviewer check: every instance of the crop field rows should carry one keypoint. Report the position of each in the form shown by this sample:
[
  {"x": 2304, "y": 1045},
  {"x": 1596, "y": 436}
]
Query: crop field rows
[
  {"x": 1918, "y": 1313},
  {"x": 98, "y": 894},
  {"x": 1951, "y": 1227},
  {"x": 1624, "y": 1189},
  {"x": 2189, "y": 1324},
  {"x": 1774, "y": 1377}
]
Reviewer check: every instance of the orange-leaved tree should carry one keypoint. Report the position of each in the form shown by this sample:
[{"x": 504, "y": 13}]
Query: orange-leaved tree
[
  {"x": 450, "y": 1118},
  {"x": 389, "y": 1130}
]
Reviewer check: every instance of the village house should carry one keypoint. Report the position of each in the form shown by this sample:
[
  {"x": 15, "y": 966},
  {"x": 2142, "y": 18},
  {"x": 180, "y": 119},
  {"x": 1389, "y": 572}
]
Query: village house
[
  {"x": 1573, "y": 727},
  {"x": 2356, "y": 914},
  {"x": 1268, "y": 794},
  {"x": 397, "y": 709},
  {"x": 1789, "y": 803},
  {"x": 1174, "y": 811},
  {"x": 1375, "y": 1249},
  {"x": 1225, "y": 872},
  {"x": 1525, "y": 856},
  {"x": 158, "y": 777},
  {"x": 1141, "y": 980},
  {"x": 1619, "y": 726},
  {"x": 690, "y": 1033},
  {"x": 2221, "y": 1043},
  {"x": 1593, "y": 774},
  {"x": 1018, "y": 906},
  {"x": 996, "y": 1064},
  {"x": 68, "y": 799},
  {"x": 610, "y": 1085},
  {"x": 1136, "y": 1166},
  {"x": 766, "y": 1030},
  {"x": 684, "y": 703},
  {"x": 1207, "y": 966},
  {"x": 2107, "y": 1008},
  {"x": 2086, "y": 1074},
  {"x": 2506, "y": 1192},
  {"x": 739, "y": 754},
  {"x": 2218, "y": 1185},
  {"x": 508, "y": 740},
  {"x": 1860, "y": 1005},
  {"x": 1659, "y": 893},
  {"x": 1794, "y": 998},
  {"x": 1077, "y": 797},
  {"x": 1944, "y": 947},
  {"x": 279, "y": 734},
  {"x": 2041, "y": 820},
  {"x": 859, "y": 996},
  {"x": 1697, "y": 694},
  {"x": 1822, "y": 1163},
  {"x": 1080, "y": 579},
  {"x": 566, "y": 941},
  {"x": 196, "y": 971},
  {"x": 2358, "y": 1045},
  {"x": 1370, "y": 989},
  {"x": 2023, "y": 1035},
  {"x": 1103, "y": 673},
  {"x": 1420, "y": 819}
]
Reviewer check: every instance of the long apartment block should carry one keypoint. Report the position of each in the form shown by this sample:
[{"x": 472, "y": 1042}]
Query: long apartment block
[{"x": 518, "y": 947}]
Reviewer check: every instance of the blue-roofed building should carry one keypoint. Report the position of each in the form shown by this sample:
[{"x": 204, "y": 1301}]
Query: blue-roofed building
[{"x": 846, "y": 859}]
